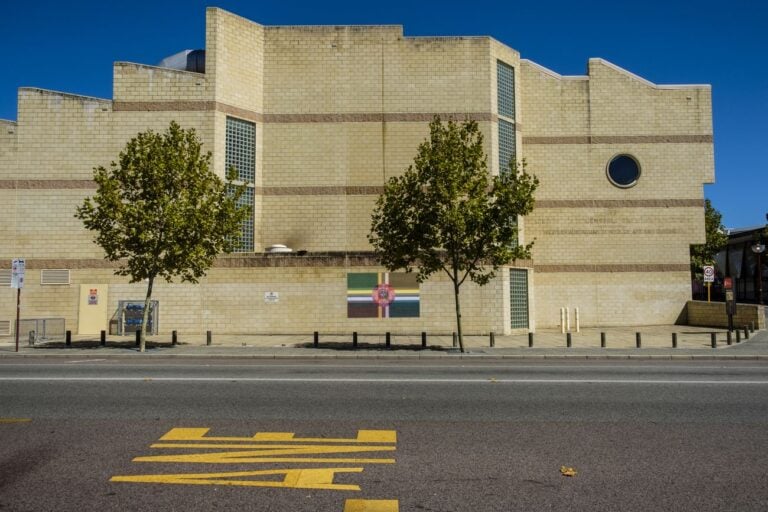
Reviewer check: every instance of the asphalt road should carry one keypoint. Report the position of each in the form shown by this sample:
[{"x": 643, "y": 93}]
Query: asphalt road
[{"x": 484, "y": 436}]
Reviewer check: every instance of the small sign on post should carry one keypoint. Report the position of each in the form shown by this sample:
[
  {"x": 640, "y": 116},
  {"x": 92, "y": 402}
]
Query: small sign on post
[
  {"x": 730, "y": 302},
  {"x": 709, "y": 278},
  {"x": 18, "y": 266}
]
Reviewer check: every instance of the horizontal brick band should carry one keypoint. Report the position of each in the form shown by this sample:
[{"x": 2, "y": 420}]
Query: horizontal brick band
[
  {"x": 361, "y": 117},
  {"x": 320, "y": 191},
  {"x": 621, "y": 139},
  {"x": 619, "y": 203},
  {"x": 257, "y": 260},
  {"x": 608, "y": 268},
  {"x": 47, "y": 184}
]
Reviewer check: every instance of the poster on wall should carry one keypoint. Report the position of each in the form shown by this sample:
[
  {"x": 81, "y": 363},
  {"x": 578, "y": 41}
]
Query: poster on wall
[{"x": 382, "y": 295}]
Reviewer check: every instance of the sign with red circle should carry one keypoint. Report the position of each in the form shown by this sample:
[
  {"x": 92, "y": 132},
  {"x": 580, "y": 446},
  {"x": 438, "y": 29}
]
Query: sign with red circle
[{"x": 383, "y": 295}]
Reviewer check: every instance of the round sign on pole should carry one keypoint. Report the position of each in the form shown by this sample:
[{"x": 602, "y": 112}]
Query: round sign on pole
[{"x": 709, "y": 274}]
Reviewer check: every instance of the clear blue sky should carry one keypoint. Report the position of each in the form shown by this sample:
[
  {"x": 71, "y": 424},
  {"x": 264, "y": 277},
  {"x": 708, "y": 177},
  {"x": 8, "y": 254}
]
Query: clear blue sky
[{"x": 70, "y": 47}]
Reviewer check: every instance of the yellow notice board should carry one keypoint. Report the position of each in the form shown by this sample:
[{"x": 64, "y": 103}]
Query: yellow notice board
[{"x": 92, "y": 313}]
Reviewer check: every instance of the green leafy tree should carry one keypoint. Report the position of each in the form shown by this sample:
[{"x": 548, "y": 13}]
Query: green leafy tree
[
  {"x": 716, "y": 239},
  {"x": 160, "y": 211},
  {"x": 446, "y": 213}
]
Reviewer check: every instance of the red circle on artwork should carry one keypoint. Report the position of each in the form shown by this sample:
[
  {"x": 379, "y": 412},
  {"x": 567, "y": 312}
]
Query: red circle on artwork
[{"x": 383, "y": 294}]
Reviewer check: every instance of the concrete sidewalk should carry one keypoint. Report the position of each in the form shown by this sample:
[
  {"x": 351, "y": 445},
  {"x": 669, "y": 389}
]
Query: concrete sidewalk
[{"x": 620, "y": 343}]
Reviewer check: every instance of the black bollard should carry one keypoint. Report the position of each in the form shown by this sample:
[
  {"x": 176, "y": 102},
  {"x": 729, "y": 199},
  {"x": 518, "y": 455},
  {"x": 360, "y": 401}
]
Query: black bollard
[
  {"x": 638, "y": 340},
  {"x": 568, "y": 340},
  {"x": 138, "y": 337},
  {"x": 174, "y": 338},
  {"x": 68, "y": 338},
  {"x": 674, "y": 340},
  {"x": 751, "y": 326},
  {"x": 530, "y": 340},
  {"x": 729, "y": 338},
  {"x": 423, "y": 339},
  {"x": 602, "y": 340},
  {"x": 713, "y": 339},
  {"x": 316, "y": 341},
  {"x": 208, "y": 338},
  {"x": 738, "y": 336},
  {"x": 493, "y": 339},
  {"x": 746, "y": 332},
  {"x": 388, "y": 340},
  {"x": 103, "y": 338},
  {"x": 354, "y": 339}
]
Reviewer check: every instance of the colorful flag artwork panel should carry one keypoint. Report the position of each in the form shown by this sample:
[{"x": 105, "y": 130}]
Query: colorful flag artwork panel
[{"x": 382, "y": 295}]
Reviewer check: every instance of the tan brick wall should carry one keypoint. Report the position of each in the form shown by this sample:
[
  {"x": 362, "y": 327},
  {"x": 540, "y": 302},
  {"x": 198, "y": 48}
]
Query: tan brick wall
[
  {"x": 713, "y": 314},
  {"x": 611, "y": 298},
  {"x": 138, "y": 82},
  {"x": 339, "y": 110}
]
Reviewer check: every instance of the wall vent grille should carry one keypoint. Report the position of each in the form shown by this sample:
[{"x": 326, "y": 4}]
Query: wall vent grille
[
  {"x": 54, "y": 276},
  {"x": 5, "y": 327}
]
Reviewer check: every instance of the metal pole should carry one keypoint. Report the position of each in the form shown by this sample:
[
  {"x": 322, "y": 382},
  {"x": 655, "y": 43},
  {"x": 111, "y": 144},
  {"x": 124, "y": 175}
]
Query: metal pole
[
  {"x": 638, "y": 340},
  {"x": 738, "y": 336},
  {"x": 388, "y": 339},
  {"x": 103, "y": 338},
  {"x": 713, "y": 339},
  {"x": 729, "y": 337},
  {"x": 208, "y": 338},
  {"x": 138, "y": 336},
  {"x": 568, "y": 340},
  {"x": 68, "y": 338},
  {"x": 674, "y": 340},
  {"x": 746, "y": 332},
  {"x": 530, "y": 340},
  {"x": 493, "y": 339},
  {"x": 602, "y": 340},
  {"x": 316, "y": 339},
  {"x": 174, "y": 337},
  {"x": 423, "y": 339},
  {"x": 18, "y": 312},
  {"x": 354, "y": 339}
]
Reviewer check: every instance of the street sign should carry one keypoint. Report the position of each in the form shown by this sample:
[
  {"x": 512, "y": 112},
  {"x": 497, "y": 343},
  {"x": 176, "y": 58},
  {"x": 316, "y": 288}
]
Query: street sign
[
  {"x": 728, "y": 283},
  {"x": 709, "y": 274},
  {"x": 17, "y": 273},
  {"x": 271, "y": 297}
]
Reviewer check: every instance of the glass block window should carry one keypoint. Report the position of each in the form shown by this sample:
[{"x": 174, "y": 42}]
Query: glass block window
[
  {"x": 241, "y": 148},
  {"x": 246, "y": 229},
  {"x": 506, "y": 89},
  {"x": 518, "y": 298},
  {"x": 506, "y": 144}
]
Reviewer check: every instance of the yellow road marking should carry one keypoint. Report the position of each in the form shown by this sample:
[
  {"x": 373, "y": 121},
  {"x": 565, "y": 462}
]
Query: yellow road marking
[
  {"x": 293, "y": 478},
  {"x": 262, "y": 456},
  {"x": 198, "y": 434},
  {"x": 15, "y": 420},
  {"x": 371, "y": 506}
]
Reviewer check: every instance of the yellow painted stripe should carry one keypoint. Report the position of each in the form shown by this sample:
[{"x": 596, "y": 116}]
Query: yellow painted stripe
[
  {"x": 371, "y": 506},
  {"x": 15, "y": 420},
  {"x": 199, "y": 434},
  {"x": 316, "y": 478}
]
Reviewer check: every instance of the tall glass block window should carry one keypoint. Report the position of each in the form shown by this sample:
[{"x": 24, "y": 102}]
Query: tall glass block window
[
  {"x": 241, "y": 149},
  {"x": 505, "y": 86},
  {"x": 245, "y": 244},
  {"x": 506, "y": 89},
  {"x": 241, "y": 154},
  {"x": 506, "y": 144},
  {"x": 518, "y": 298}
]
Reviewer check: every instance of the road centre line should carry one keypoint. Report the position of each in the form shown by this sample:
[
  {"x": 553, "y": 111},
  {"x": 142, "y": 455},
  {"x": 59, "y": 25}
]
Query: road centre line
[
  {"x": 487, "y": 380},
  {"x": 396, "y": 364}
]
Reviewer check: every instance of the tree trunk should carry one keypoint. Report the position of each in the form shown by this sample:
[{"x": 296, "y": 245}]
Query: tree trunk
[
  {"x": 145, "y": 321},
  {"x": 458, "y": 314}
]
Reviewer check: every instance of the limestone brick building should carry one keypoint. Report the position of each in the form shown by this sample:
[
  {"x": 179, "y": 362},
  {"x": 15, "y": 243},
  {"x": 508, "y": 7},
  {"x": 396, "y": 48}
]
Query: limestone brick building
[{"x": 316, "y": 119}]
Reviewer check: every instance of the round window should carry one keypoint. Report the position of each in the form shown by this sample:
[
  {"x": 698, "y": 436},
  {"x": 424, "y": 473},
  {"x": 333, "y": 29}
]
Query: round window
[{"x": 623, "y": 171}]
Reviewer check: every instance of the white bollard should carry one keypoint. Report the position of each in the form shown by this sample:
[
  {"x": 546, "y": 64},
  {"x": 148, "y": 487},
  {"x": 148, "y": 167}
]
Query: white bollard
[
  {"x": 562, "y": 320},
  {"x": 576, "y": 313},
  {"x": 568, "y": 319}
]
